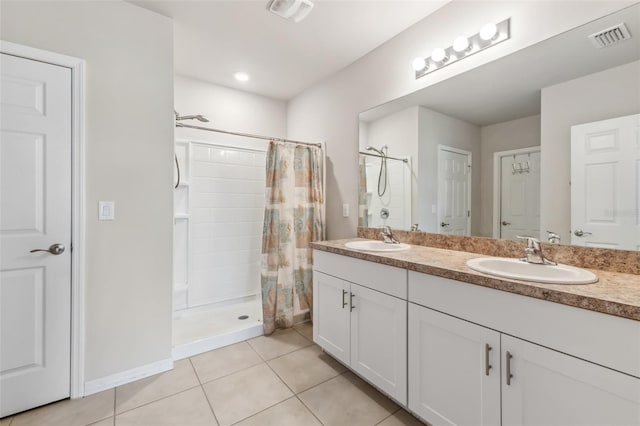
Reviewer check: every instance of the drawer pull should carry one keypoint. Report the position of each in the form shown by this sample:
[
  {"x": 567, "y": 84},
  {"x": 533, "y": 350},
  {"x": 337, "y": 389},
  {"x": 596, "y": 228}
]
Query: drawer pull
[
  {"x": 344, "y": 303},
  {"x": 351, "y": 302}
]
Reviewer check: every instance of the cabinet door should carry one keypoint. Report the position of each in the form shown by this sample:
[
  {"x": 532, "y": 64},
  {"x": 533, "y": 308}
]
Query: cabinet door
[
  {"x": 454, "y": 369},
  {"x": 551, "y": 388},
  {"x": 331, "y": 315},
  {"x": 379, "y": 340}
]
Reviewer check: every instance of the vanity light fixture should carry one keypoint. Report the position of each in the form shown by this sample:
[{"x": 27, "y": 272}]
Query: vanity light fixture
[
  {"x": 439, "y": 55},
  {"x": 461, "y": 44},
  {"x": 489, "y": 35}
]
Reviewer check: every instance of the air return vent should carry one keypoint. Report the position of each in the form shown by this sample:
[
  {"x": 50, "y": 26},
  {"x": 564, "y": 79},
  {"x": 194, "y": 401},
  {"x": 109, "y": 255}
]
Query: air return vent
[{"x": 610, "y": 36}]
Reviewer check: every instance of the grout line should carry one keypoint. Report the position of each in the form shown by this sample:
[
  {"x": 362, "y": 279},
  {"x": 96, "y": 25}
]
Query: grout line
[
  {"x": 309, "y": 409},
  {"x": 385, "y": 418},
  {"x": 263, "y": 410},
  {"x": 195, "y": 371},
  {"x": 159, "y": 399},
  {"x": 115, "y": 388},
  {"x": 203, "y": 391}
]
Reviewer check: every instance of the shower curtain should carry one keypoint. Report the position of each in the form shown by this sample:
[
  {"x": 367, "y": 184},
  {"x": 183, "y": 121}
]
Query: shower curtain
[{"x": 293, "y": 217}]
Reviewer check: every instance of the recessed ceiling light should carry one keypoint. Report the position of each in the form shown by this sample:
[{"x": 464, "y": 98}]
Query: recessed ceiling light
[{"x": 241, "y": 76}]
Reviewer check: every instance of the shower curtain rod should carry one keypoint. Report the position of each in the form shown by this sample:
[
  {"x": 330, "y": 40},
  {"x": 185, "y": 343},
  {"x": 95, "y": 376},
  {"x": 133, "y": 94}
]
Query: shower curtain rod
[
  {"x": 404, "y": 160},
  {"x": 248, "y": 135}
]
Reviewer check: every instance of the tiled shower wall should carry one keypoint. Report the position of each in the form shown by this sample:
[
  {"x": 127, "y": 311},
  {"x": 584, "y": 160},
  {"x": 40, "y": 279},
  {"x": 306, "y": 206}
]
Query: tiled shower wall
[{"x": 226, "y": 207}]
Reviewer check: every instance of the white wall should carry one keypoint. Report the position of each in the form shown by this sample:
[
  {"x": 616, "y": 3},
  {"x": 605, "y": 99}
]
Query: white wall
[
  {"x": 229, "y": 109},
  {"x": 329, "y": 110},
  {"x": 440, "y": 129},
  {"x": 607, "y": 94},
  {"x": 129, "y": 155},
  {"x": 519, "y": 133}
]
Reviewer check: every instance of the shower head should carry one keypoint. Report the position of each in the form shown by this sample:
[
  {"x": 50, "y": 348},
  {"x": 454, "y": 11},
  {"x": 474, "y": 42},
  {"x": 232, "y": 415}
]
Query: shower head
[
  {"x": 192, "y": 117},
  {"x": 379, "y": 151}
]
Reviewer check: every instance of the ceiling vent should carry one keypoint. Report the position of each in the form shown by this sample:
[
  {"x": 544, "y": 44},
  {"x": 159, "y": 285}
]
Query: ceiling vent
[
  {"x": 610, "y": 36},
  {"x": 293, "y": 10}
]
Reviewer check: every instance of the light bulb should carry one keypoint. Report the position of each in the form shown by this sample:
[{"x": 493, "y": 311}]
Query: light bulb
[
  {"x": 241, "y": 76},
  {"x": 488, "y": 32},
  {"x": 419, "y": 63},
  {"x": 439, "y": 55},
  {"x": 461, "y": 44}
]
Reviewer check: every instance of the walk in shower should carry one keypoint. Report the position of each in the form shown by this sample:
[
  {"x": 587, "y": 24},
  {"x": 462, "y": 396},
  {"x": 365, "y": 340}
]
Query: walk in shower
[{"x": 219, "y": 208}]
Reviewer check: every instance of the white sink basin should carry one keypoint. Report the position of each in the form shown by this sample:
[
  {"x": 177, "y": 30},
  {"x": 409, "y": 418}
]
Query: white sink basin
[
  {"x": 519, "y": 270},
  {"x": 373, "y": 245}
]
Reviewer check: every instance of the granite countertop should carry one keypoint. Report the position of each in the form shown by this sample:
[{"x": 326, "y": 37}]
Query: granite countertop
[{"x": 614, "y": 294}]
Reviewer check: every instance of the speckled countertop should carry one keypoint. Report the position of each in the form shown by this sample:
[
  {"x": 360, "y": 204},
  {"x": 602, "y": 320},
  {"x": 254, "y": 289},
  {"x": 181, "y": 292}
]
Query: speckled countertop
[{"x": 615, "y": 293}]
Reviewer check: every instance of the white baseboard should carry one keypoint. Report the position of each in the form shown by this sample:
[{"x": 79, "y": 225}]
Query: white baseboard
[{"x": 128, "y": 376}]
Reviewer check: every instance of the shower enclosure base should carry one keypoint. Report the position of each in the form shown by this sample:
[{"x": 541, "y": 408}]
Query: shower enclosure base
[{"x": 205, "y": 328}]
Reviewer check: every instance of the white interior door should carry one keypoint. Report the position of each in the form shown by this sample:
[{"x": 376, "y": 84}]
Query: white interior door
[
  {"x": 454, "y": 191},
  {"x": 35, "y": 213},
  {"x": 520, "y": 195},
  {"x": 605, "y": 183}
]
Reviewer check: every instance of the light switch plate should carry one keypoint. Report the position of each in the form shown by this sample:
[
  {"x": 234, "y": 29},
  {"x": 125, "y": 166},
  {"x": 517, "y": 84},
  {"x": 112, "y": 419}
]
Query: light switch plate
[
  {"x": 345, "y": 210},
  {"x": 106, "y": 210}
]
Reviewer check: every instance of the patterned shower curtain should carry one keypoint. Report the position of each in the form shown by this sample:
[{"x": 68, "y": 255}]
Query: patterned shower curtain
[{"x": 293, "y": 217}]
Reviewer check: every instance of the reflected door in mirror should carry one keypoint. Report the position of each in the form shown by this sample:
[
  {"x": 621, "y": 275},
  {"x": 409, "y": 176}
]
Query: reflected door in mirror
[
  {"x": 605, "y": 183},
  {"x": 454, "y": 191},
  {"x": 520, "y": 194}
]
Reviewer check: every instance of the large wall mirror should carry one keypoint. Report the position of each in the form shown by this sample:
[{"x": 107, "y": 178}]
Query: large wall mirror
[{"x": 544, "y": 139}]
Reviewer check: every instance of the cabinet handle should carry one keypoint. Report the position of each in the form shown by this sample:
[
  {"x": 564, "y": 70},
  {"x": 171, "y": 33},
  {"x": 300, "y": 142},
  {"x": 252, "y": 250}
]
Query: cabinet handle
[
  {"x": 487, "y": 366},
  {"x": 344, "y": 293},
  {"x": 509, "y": 375},
  {"x": 351, "y": 296}
]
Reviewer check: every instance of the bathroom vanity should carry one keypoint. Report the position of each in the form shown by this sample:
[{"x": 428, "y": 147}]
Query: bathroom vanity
[{"x": 455, "y": 346}]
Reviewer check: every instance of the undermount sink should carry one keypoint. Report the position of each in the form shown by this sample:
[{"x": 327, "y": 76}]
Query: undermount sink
[
  {"x": 373, "y": 245},
  {"x": 518, "y": 270}
]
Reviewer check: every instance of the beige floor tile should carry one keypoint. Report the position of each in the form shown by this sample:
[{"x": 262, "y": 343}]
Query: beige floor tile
[
  {"x": 186, "y": 408},
  {"x": 305, "y": 368},
  {"x": 279, "y": 343},
  {"x": 245, "y": 393},
  {"x": 347, "y": 400},
  {"x": 401, "y": 418},
  {"x": 221, "y": 362},
  {"x": 70, "y": 412},
  {"x": 106, "y": 422},
  {"x": 305, "y": 328},
  {"x": 288, "y": 413},
  {"x": 153, "y": 388}
]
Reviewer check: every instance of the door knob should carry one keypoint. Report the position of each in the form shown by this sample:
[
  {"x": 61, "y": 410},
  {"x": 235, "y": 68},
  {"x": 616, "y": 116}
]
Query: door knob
[
  {"x": 54, "y": 249},
  {"x": 444, "y": 224},
  {"x": 505, "y": 223},
  {"x": 580, "y": 233}
]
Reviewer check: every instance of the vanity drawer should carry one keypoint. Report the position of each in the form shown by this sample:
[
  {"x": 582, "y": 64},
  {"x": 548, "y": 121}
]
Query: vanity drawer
[
  {"x": 383, "y": 278},
  {"x": 603, "y": 339}
]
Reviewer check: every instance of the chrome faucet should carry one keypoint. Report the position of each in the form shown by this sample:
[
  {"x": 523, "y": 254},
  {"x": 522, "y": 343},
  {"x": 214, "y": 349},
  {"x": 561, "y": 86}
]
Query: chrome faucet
[
  {"x": 533, "y": 252},
  {"x": 387, "y": 236}
]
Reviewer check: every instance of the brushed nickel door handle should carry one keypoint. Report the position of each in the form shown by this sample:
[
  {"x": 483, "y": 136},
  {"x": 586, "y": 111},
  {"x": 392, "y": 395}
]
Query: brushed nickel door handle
[
  {"x": 509, "y": 375},
  {"x": 487, "y": 366},
  {"x": 444, "y": 224},
  {"x": 580, "y": 233},
  {"x": 505, "y": 223},
  {"x": 54, "y": 249}
]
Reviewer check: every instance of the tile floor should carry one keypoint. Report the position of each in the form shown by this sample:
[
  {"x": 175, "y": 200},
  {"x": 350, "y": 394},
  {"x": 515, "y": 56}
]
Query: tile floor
[{"x": 280, "y": 380}]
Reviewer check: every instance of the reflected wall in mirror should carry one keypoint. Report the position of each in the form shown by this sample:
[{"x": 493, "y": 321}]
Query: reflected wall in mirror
[{"x": 492, "y": 148}]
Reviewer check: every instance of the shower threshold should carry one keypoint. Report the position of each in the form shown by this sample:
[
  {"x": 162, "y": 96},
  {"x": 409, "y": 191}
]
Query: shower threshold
[{"x": 206, "y": 328}]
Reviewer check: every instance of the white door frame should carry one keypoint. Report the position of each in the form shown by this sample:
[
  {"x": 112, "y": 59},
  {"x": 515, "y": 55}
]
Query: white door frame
[
  {"x": 441, "y": 148},
  {"x": 497, "y": 181},
  {"x": 78, "y": 225}
]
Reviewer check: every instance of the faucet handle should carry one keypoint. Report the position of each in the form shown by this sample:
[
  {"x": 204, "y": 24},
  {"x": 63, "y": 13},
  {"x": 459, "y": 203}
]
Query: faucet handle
[{"x": 532, "y": 242}]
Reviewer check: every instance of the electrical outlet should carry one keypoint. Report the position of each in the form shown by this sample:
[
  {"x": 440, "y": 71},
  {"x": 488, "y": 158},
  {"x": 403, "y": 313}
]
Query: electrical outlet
[{"x": 345, "y": 210}]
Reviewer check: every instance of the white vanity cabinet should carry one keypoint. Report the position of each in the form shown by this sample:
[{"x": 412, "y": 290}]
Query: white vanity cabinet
[
  {"x": 454, "y": 369},
  {"x": 360, "y": 317},
  {"x": 548, "y": 387},
  {"x": 556, "y": 379}
]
